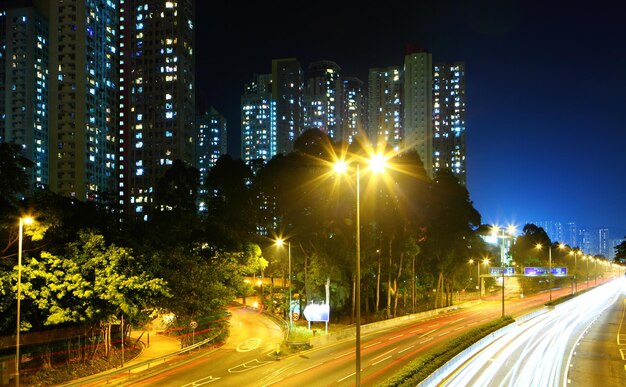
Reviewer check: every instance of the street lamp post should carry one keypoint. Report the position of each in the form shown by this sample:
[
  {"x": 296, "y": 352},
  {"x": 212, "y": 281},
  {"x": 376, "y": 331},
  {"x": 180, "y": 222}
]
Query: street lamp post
[
  {"x": 549, "y": 267},
  {"x": 281, "y": 242},
  {"x": 377, "y": 165},
  {"x": 23, "y": 221},
  {"x": 511, "y": 230},
  {"x": 587, "y": 270}
]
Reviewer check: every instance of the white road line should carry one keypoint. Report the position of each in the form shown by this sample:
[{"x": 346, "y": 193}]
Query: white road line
[
  {"x": 427, "y": 333},
  {"x": 444, "y": 333},
  {"x": 371, "y": 345},
  {"x": 345, "y": 354},
  {"x": 342, "y": 379},
  {"x": 385, "y": 353},
  {"x": 306, "y": 369},
  {"x": 415, "y": 331},
  {"x": 395, "y": 337},
  {"x": 381, "y": 360},
  {"x": 200, "y": 382},
  {"x": 456, "y": 321},
  {"x": 426, "y": 341},
  {"x": 406, "y": 349}
]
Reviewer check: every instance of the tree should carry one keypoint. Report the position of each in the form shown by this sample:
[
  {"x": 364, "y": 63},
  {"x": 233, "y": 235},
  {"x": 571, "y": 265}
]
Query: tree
[
  {"x": 620, "y": 253},
  {"x": 13, "y": 174},
  {"x": 452, "y": 221},
  {"x": 94, "y": 284}
]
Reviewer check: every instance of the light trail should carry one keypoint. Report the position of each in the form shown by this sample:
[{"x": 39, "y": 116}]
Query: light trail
[{"x": 537, "y": 352}]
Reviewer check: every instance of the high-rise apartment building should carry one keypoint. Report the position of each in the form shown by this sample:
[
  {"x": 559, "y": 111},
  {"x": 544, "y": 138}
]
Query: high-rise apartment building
[
  {"x": 384, "y": 106},
  {"x": 287, "y": 93},
  {"x": 83, "y": 105},
  {"x": 24, "y": 83},
  {"x": 449, "y": 119},
  {"x": 322, "y": 98},
  {"x": 157, "y": 114},
  {"x": 258, "y": 120},
  {"x": 418, "y": 105},
  {"x": 211, "y": 142},
  {"x": 354, "y": 107}
]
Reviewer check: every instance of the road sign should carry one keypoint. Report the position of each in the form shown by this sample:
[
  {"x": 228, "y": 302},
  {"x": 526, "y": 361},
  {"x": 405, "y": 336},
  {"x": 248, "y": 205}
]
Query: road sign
[
  {"x": 497, "y": 271},
  {"x": 193, "y": 324}
]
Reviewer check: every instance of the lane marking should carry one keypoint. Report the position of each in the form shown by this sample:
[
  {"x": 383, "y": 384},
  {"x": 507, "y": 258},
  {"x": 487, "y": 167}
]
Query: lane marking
[
  {"x": 426, "y": 341},
  {"x": 342, "y": 379},
  {"x": 381, "y": 360},
  {"x": 406, "y": 349},
  {"x": 200, "y": 382},
  {"x": 395, "y": 337},
  {"x": 444, "y": 333},
  {"x": 385, "y": 353},
  {"x": 427, "y": 333},
  {"x": 462, "y": 318},
  {"x": 345, "y": 354},
  {"x": 306, "y": 369},
  {"x": 371, "y": 345},
  {"x": 249, "y": 345}
]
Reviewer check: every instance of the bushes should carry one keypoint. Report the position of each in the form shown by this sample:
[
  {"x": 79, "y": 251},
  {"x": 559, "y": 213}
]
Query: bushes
[{"x": 423, "y": 366}]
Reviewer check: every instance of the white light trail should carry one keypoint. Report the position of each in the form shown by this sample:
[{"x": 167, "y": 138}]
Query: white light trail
[{"x": 535, "y": 353}]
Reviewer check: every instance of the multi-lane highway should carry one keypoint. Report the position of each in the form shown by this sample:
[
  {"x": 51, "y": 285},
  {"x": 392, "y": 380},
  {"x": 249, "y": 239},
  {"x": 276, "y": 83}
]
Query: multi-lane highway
[
  {"x": 247, "y": 359},
  {"x": 544, "y": 351}
]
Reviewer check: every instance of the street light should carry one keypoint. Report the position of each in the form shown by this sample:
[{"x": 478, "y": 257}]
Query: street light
[
  {"x": 587, "y": 264},
  {"x": 23, "y": 221},
  {"x": 377, "y": 164},
  {"x": 486, "y": 262},
  {"x": 511, "y": 230},
  {"x": 281, "y": 242},
  {"x": 550, "y": 267}
]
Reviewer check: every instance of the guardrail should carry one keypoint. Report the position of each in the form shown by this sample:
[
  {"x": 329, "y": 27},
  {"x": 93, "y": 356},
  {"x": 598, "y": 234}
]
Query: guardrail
[
  {"x": 367, "y": 328},
  {"x": 436, "y": 377},
  {"x": 123, "y": 375}
]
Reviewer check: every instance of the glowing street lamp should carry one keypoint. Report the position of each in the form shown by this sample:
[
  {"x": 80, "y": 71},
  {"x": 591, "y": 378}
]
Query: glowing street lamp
[
  {"x": 377, "y": 165},
  {"x": 550, "y": 267},
  {"x": 281, "y": 242},
  {"x": 23, "y": 221}
]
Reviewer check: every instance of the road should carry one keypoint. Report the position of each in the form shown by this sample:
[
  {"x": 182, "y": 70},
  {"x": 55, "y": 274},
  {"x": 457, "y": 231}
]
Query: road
[
  {"x": 601, "y": 352},
  {"x": 247, "y": 359},
  {"x": 539, "y": 352}
]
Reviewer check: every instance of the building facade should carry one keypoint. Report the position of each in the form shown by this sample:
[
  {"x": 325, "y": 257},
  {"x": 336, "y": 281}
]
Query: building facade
[
  {"x": 418, "y": 105},
  {"x": 384, "y": 107},
  {"x": 354, "y": 120},
  {"x": 157, "y": 121},
  {"x": 322, "y": 98},
  {"x": 24, "y": 84},
  {"x": 258, "y": 121},
  {"x": 449, "y": 150},
  {"x": 83, "y": 106},
  {"x": 287, "y": 93}
]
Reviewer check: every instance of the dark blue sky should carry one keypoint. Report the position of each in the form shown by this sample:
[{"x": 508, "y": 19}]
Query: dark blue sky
[{"x": 546, "y": 86}]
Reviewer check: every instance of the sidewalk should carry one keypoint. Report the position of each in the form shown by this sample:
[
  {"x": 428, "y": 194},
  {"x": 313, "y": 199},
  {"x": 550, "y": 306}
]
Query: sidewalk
[{"x": 160, "y": 345}]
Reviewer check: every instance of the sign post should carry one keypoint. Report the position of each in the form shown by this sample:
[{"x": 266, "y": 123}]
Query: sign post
[{"x": 193, "y": 324}]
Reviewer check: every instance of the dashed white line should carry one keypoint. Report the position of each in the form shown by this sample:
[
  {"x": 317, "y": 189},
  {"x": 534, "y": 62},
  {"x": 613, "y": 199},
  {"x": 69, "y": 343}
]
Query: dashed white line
[
  {"x": 371, "y": 345},
  {"x": 395, "y": 337},
  {"x": 306, "y": 369},
  {"x": 385, "y": 353},
  {"x": 427, "y": 333},
  {"x": 381, "y": 360},
  {"x": 426, "y": 341},
  {"x": 345, "y": 354},
  {"x": 342, "y": 379},
  {"x": 406, "y": 349}
]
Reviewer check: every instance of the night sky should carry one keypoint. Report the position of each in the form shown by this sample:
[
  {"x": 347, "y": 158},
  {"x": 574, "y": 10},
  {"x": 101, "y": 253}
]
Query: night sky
[{"x": 546, "y": 87}]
